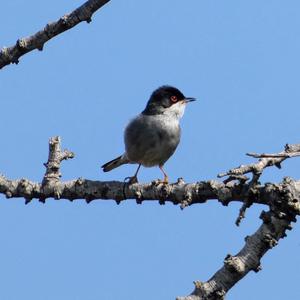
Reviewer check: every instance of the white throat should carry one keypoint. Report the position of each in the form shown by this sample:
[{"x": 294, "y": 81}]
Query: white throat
[{"x": 176, "y": 110}]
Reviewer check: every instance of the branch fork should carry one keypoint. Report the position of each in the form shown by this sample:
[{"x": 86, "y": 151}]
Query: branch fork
[{"x": 265, "y": 160}]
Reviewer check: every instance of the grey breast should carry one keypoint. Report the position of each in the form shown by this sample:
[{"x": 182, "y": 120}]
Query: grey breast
[{"x": 151, "y": 139}]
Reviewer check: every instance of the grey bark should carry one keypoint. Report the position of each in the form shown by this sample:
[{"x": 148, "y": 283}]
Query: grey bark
[
  {"x": 283, "y": 200},
  {"x": 248, "y": 259},
  {"x": 12, "y": 54}
]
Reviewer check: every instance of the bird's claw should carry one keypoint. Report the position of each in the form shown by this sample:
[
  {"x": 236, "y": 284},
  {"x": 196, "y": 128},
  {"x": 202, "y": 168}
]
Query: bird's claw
[
  {"x": 131, "y": 180},
  {"x": 160, "y": 181}
]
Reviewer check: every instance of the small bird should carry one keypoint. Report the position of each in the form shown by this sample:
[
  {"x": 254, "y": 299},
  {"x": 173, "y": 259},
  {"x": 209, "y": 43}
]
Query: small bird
[{"x": 152, "y": 137}]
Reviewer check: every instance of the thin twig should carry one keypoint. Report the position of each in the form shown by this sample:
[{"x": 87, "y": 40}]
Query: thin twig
[
  {"x": 265, "y": 160},
  {"x": 272, "y": 155}
]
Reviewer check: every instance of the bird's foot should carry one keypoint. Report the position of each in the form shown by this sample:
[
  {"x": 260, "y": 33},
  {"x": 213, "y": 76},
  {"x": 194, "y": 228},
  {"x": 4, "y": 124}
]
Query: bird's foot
[
  {"x": 166, "y": 180},
  {"x": 161, "y": 181},
  {"x": 131, "y": 180}
]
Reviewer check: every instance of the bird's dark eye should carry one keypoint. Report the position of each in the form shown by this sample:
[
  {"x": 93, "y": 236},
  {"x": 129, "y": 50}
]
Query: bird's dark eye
[{"x": 173, "y": 98}]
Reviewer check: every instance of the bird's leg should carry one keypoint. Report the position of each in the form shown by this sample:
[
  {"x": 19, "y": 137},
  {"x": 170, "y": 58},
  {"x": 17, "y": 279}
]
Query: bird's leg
[
  {"x": 166, "y": 178},
  {"x": 133, "y": 179}
]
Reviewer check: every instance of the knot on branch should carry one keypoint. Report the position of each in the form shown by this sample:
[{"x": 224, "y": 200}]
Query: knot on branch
[
  {"x": 138, "y": 197},
  {"x": 206, "y": 291},
  {"x": 165, "y": 192},
  {"x": 266, "y": 217},
  {"x": 269, "y": 240},
  {"x": 53, "y": 28},
  {"x": 186, "y": 201},
  {"x": 257, "y": 268},
  {"x": 222, "y": 191},
  {"x": 277, "y": 222},
  {"x": 22, "y": 45},
  {"x": 290, "y": 192},
  {"x": 64, "y": 22},
  {"x": 25, "y": 187},
  {"x": 234, "y": 264},
  {"x": 84, "y": 14},
  {"x": 219, "y": 294}
]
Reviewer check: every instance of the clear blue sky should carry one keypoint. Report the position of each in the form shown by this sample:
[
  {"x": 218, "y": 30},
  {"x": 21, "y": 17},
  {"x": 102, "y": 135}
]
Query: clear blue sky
[{"x": 239, "y": 58}]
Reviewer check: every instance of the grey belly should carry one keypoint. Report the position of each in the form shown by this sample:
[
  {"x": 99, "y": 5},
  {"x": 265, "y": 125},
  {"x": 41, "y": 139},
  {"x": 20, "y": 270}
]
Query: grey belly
[{"x": 150, "y": 142}]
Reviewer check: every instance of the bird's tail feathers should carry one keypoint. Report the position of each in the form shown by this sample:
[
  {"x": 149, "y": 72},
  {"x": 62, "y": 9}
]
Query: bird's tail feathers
[{"x": 114, "y": 163}]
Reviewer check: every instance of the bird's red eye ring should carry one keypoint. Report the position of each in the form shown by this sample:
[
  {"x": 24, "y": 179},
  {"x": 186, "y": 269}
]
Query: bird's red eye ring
[{"x": 173, "y": 98}]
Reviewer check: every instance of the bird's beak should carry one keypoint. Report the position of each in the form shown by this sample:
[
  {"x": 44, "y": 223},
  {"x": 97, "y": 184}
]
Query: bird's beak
[{"x": 189, "y": 99}]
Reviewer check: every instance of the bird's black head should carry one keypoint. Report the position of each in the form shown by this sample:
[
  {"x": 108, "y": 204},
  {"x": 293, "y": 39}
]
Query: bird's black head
[{"x": 163, "y": 98}]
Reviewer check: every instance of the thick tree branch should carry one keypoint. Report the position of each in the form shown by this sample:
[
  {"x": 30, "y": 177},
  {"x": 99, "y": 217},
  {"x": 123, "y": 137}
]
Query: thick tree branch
[
  {"x": 248, "y": 259},
  {"x": 283, "y": 200},
  {"x": 179, "y": 193},
  {"x": 24, "y": 45}
]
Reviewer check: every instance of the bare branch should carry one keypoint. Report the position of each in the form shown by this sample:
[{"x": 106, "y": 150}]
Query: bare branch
[
  {"x": 179, "y": 193},
  {"x": 24, "y": 45},
  {"x": 250, "y": 192},
  {"x": 289, "y": 151},
  {"x": 248, "y": 259},
  {"x": 266, "y": 160},
  {"x": 183, "y": 194},
  {"x": 273, "y": 155}
]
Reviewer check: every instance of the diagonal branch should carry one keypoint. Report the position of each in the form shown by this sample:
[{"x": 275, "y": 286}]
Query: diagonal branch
[
  {"x": 248, "y": 259},
  {"x": 24, "y": 45}
]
